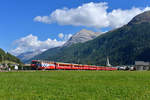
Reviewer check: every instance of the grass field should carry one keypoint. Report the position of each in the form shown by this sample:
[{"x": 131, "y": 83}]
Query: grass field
[{"x": 75, "y": 85}]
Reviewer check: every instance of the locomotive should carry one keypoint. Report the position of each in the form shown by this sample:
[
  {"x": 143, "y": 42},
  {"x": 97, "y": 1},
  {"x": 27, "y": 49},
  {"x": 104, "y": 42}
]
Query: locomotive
[{"x": 49, "y": 65}]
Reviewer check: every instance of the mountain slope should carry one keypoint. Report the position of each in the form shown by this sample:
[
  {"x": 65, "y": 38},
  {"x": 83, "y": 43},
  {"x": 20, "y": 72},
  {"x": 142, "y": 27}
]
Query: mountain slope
[
  {"x": 7, "y": 56},
  {"x": 123, "y": 46},
  {"x": 144, "y": 17}
]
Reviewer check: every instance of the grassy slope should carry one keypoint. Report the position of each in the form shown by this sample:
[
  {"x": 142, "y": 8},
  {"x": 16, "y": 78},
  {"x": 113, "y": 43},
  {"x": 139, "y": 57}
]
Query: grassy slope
[
  {"x": 8, "y": 58},
  {"x": 74, "y": 85},
  {"x": 6, "y": 61}
]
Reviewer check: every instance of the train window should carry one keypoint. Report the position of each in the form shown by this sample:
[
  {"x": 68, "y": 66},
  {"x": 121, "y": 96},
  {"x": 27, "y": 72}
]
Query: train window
[
  {"x": 64, "y": 65},
  {"x": 76, "y": 66}
]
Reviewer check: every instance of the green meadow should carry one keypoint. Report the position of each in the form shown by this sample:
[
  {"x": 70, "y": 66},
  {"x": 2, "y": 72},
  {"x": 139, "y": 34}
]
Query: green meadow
[{"x": 75, "y": 85}]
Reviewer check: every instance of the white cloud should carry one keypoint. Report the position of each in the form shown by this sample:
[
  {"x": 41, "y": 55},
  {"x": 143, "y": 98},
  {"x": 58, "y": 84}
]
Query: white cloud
[
  {"x": 118, "y": 17},
  {"x": 61, "y": 35},
  {"x": 67, "y": 37},
  {"x": 91, "y": 15},
  {"x": 44, "y": 19},
  {"x": 31, "y": 43},
  {"x": 64, "y": 37}
]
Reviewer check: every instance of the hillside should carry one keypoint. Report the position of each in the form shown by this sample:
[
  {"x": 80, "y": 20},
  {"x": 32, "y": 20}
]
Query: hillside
[
  {"x": 123, "y": 46},
  {"x": 7, "y": 57}
]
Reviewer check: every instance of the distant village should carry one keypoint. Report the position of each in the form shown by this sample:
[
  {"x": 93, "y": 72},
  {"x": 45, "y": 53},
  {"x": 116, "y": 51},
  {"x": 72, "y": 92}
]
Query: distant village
[{"x": 9, "y": 67}]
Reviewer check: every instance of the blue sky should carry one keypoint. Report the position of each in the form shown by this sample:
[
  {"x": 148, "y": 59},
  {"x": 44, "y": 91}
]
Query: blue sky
[{"x": 17, "y": 19}]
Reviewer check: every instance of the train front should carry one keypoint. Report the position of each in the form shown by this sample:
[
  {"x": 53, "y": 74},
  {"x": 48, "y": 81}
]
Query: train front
[
  {"x": 35, "y": 64},
  {"x": 41, "y": 65}
]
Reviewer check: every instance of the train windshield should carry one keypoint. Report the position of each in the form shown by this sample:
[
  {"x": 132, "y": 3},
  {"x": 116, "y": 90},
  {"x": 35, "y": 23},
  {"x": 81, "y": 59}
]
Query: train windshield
[{"x": 34, "y": 62}]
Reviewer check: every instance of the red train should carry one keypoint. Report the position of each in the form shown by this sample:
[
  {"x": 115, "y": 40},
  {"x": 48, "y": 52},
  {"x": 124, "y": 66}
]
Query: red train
[{"x": 46, "y": 65}]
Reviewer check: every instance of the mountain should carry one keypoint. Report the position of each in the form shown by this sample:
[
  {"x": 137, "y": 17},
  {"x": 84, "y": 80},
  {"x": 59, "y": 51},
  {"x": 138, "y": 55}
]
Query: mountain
[
  {"x": 8, "y": 57},
  {"x": 141, "y": 18},
  {"x": 80, "y": 37},
  {"x": 28, "y": 55},
  {"x": 123, "y": 46}
]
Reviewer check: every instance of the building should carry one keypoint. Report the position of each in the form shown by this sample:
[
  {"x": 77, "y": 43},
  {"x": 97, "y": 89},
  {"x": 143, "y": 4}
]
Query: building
[{"x": 142, "y": 65}]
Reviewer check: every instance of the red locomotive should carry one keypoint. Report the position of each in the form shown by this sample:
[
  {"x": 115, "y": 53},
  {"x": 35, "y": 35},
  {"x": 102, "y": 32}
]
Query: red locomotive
[{"x": 46, "y": 65}]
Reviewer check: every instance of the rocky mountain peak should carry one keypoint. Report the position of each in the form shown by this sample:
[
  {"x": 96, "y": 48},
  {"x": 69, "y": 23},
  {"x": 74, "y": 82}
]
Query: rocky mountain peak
[{"x": 81, "y": 37}]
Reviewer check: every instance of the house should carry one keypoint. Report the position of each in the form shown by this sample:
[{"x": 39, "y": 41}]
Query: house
[{"x": 142, "y": 65}]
